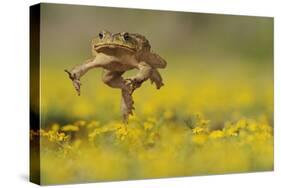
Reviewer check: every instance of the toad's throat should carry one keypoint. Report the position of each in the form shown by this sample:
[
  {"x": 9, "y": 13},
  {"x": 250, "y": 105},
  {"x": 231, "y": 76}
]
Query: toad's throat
[{"x": 113, "y": 46}]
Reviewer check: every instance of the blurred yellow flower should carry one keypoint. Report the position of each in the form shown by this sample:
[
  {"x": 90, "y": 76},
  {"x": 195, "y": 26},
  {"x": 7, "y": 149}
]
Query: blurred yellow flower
[
  {"x": 93, "y": 124},
  {"x": 168, "y": 114},
  {"x": 199, "y": 130},
  {"x": 80, "y": 123},
  {"x": 121, "y": 132},
  {"x": 216, "y": 134},
  {"x": 55, "y": 127},
  {"x": 70, "y": 128},
  {"x": 148, "y": 126},
  {"x": 252, "y": 127},
  {"x": 199, "y": 139}
]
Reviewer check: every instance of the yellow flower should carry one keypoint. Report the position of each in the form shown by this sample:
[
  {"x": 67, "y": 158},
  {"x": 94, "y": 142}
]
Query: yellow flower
[
  {"x": 252, "y": 127},
  {"x": 121, "y": 132},
  {"x": 80, "y": 123},
  {"x": 93, "y": 124},
  {"x": 230, "y": 131},
  {"x": 241, "y": 124},
  {"x": 70, "y": 128},
  {"x": 199, "y": 130},
  {"x": 133, "y": 117},
  {"x": 55, "y": 127},
  {"x": 62, "y": 137}
]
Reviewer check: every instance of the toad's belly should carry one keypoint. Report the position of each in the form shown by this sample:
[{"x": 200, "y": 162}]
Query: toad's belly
[
  {"x": 114, "y": 63},
  {"x": 117, "y": 66}
]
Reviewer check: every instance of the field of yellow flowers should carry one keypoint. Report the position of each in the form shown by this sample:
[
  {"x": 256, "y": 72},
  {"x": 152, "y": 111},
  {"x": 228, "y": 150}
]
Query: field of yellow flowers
[{"x": 205, "y": 120}]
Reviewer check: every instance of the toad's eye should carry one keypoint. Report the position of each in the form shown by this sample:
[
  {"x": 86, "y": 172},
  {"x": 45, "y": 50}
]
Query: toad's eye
[
  {"x": 126, "y": 36},
  {"x": 100, "y": 35}
]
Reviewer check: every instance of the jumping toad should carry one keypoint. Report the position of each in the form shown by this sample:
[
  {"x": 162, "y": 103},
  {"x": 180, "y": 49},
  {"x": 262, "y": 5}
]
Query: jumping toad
[{"x": 116, "y": 54}]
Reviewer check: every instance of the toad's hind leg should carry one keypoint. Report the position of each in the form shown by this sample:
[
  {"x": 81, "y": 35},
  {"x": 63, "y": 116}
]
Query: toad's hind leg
[
  {"x": 156, "y": 78},
  {"x": 115, "y": 80}
]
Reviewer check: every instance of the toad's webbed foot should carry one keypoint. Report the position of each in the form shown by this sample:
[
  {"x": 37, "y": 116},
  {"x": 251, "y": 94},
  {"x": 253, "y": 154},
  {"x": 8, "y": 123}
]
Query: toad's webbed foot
[
  {"x": 143, "y": 74},
  {"x": 79, "y": 70},
  {"x": 133, "y": 83},
  {"x": 75, "y": 80}
]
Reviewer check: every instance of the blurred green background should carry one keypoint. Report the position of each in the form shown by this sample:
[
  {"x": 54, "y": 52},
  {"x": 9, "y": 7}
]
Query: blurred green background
[{"x": 67, "y": 31}]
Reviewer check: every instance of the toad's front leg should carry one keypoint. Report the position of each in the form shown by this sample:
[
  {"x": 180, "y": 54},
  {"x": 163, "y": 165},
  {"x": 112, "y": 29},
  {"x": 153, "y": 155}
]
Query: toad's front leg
[
  {"x": 78, "y": 71},
  {"x": 145, "y": 71}
]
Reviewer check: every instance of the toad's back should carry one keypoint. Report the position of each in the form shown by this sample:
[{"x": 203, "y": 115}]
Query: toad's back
[{"x": 145, "y": 53}]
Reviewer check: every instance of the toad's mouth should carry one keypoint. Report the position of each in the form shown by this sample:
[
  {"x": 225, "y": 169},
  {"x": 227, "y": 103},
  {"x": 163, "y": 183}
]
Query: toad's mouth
[{"x": 113, "y": 46}]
